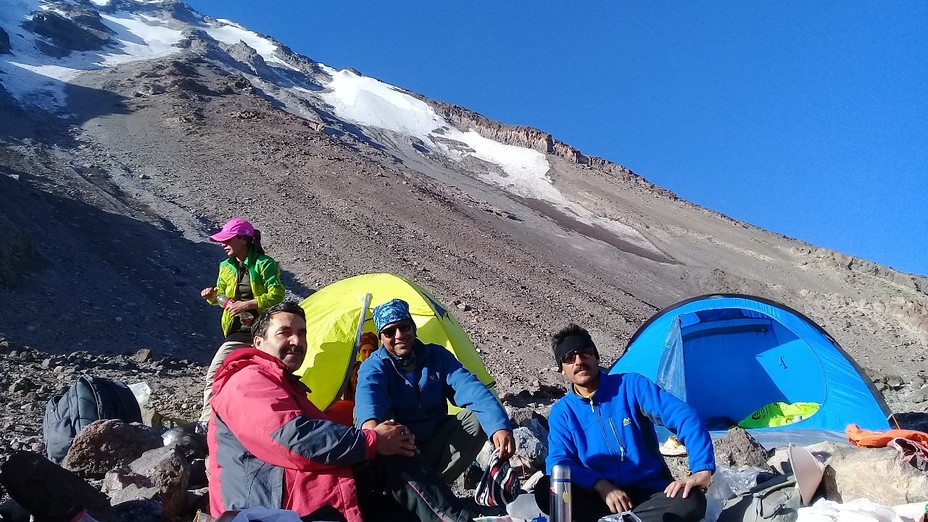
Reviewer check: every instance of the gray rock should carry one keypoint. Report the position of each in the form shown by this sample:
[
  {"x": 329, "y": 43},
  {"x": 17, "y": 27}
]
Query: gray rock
[
  {"x": 531, "y": 446},
  {"x": 78, "y": 31},
  {"x": 738, "y": 448},
  {"x": 919, "y": 396},
  {"x": 894, "y": 382},
  {"x": 48, "y": 491},
  {"x": 107, "y": 444},
  {"x": 874, "y": 473},
  {"x": 141, "y": 356},
  {"x": 21, "y": 385},
  {"x": 160, "y": 474}
]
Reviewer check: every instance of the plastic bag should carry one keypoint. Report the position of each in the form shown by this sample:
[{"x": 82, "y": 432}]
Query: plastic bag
[
  {"x": 524, "y": 507},
  {"x": 142, "y": 392},
  {"x": 860, "y": 510},
  {"x": 725, "y": 483}
]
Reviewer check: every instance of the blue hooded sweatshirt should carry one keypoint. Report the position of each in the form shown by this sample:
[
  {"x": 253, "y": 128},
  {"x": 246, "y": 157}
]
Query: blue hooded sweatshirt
[
  {"x": 420, "y": 401},
  {"x": 611, "y": 434}
]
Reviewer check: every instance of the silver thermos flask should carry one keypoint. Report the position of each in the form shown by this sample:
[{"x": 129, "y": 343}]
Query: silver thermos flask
[{"x": 560, "y": 494}]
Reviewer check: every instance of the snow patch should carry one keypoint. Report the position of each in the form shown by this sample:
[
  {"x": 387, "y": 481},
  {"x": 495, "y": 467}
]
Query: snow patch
[
  {"x": 520, "y": 170},
  {"x": 367, "y": 101},
  {"x": 37, "y": 79},
  {"x": 157, "y": 40},
  {"x": 230, "y": 33},
  {"x": 370, "y": 102}
]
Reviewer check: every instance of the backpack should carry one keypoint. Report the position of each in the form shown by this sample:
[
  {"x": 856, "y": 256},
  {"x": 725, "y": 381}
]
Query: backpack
[
  {"x": 74, "y": 407},
  {"x": 776, "y": 499}
]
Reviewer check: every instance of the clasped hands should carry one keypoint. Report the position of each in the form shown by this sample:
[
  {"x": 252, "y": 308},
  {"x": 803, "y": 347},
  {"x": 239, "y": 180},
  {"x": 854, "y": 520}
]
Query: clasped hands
[{"x": 396, "y": 439}]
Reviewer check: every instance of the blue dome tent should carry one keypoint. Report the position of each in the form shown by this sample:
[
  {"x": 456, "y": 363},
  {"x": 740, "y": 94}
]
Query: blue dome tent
[{"x": 729, "y": 356}]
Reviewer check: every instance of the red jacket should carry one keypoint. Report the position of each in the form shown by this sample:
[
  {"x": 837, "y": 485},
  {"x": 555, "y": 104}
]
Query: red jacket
[{"x": 270, "y": 446}]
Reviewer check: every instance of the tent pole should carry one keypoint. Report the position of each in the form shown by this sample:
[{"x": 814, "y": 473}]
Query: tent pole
[{"x": 354, "y": 347}]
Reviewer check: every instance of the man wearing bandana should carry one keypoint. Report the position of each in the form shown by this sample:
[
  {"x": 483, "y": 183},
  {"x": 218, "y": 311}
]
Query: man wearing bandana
[
  {"x": 603, "y": 429},
  {"x": 269, "y": 446},
  {"x": 410, "y": 382}
]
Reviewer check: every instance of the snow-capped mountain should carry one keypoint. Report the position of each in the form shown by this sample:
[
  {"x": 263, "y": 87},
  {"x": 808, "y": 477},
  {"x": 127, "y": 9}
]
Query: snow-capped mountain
[{"x": 129, "y": 129}]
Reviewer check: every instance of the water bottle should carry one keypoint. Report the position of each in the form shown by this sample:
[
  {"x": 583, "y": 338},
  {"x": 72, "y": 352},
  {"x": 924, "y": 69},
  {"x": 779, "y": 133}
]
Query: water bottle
[
  {"x": 224, "y": 300},
  {"x": 560, "y": 494}
]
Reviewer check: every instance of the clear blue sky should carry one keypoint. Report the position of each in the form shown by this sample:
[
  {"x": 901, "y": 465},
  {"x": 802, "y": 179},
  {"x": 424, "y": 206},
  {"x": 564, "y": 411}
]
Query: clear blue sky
[{"x": 805, "y": 118}]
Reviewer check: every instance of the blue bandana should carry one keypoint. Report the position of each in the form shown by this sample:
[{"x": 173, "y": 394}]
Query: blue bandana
[{"x": 390, "y": 312}]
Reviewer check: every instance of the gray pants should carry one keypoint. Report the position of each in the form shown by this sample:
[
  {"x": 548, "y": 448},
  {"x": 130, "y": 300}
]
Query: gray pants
[
  {"x": 224, "y": 349},
  {"x": 454, "y": 446}
]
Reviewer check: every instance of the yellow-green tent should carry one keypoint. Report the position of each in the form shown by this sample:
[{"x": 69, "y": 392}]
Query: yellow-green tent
[{"x": 334, "y": 326}]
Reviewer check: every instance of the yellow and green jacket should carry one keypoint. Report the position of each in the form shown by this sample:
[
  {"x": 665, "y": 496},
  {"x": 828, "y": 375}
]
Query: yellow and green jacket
[{"x": 266, "y": 285}]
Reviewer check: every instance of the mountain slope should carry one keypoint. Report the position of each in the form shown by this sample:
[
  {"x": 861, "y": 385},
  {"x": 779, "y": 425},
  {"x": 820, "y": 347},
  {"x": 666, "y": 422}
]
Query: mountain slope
[{"x": 131, "y": 130}]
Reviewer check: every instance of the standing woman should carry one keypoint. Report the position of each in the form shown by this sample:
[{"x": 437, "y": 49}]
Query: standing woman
[{"x": 248, "y": 284}]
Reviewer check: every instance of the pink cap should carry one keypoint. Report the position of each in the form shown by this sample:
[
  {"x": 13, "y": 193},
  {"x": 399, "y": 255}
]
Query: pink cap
[{"x": 234, "y": 227}]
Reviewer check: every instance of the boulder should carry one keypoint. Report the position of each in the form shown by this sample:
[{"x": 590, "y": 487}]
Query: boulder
[
  {"x": 50, "y": 492},
  {"x": 160, "y": 474},
  {"x": 108, "y": 444},
  {"x": 738, "y": 448},
  {"x": 142, "y": 356},
  {"x": 878, "y": 474},
  {"x": 531, "y": 446},
  {"x": 68, "y": 31}
]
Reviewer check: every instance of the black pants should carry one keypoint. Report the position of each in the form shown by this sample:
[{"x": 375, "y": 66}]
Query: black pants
[
  {"x": 650, "y": 506},
  {"x": 401, "y": 489}
]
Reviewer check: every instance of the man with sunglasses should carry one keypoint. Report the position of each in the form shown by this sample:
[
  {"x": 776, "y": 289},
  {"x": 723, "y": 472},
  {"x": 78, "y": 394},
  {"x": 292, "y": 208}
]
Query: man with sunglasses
[
  {"x": 603, "y": 429},
  {"x": 270, "y": 446},
  {"x": 411, "y": 382}
]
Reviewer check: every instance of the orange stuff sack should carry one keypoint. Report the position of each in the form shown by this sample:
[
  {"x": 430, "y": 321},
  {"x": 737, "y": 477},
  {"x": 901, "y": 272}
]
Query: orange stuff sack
[{"x": 878, "y": 439}]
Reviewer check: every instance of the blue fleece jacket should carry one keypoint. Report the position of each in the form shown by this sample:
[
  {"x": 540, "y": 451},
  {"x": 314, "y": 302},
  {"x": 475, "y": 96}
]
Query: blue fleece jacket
[
  {"x": 421, "y": 402},
  {"x": 611, "y": 435}
]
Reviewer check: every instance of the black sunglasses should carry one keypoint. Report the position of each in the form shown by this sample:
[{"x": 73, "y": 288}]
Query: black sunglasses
[
  {"x": 570, "y": 357},
  {"x": 403, "y": 327}
]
